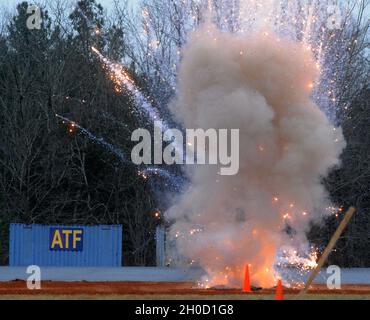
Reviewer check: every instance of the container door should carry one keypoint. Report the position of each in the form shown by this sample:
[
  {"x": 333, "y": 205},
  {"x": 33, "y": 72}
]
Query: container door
[{"x": 106, "y": 247}]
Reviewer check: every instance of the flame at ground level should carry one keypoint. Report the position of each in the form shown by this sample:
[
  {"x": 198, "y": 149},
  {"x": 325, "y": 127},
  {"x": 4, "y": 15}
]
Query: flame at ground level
[
  {"x": 266, "y": 271},
  {"x": 262, "y": 272}
]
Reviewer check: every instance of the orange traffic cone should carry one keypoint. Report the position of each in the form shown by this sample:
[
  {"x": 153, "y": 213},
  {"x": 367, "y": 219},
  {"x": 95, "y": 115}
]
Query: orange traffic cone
[
  {"x": 247, "y": 281},
  {"x": 279, "y": 291}
]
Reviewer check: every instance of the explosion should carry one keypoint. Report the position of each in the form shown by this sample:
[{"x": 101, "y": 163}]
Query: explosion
[
  {"x": 257, "y": 71},
  {"x": 261, "y": 84}
]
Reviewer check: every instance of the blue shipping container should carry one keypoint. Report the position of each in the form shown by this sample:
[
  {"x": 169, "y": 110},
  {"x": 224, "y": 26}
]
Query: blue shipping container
[{"x": 65, "y": 246}]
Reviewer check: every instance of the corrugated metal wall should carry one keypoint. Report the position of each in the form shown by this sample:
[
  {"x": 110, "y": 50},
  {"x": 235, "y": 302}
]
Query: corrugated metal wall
[{"x": 72, "y": 246}]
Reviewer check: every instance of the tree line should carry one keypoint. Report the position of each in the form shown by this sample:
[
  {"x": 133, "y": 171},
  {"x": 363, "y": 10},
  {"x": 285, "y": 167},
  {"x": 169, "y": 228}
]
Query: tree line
[{"x": 52, "y": 173}]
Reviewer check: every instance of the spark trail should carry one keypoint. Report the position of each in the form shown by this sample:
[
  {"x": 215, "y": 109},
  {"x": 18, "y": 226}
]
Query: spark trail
[
  {"x": 175, "y": 181},
  {"x": 114, "y": 150},
  {"x": 122, "y": 80}
]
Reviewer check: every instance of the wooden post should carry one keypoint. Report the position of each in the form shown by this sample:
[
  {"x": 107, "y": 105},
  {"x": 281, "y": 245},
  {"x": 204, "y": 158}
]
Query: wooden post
[{"x": 328, "y": 250}]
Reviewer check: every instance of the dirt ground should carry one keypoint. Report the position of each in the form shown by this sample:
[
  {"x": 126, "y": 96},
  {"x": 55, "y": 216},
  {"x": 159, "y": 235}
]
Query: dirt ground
[{"x": 160, "y": 290}]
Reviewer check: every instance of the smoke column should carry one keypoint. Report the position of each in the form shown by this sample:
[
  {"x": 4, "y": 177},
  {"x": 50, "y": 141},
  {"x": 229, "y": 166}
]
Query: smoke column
[{"x": 260, "y": 84}]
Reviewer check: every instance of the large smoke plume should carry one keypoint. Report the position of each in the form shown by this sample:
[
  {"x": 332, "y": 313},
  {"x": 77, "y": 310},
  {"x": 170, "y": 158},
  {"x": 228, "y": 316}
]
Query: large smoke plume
[{"x": 260, "y": 84}]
